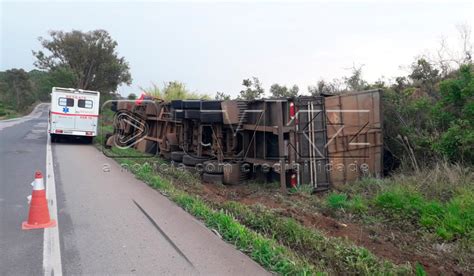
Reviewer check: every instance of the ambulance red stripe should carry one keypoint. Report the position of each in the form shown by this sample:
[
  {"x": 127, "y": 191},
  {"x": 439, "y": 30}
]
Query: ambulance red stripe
[{"x": 67, "y": 114}]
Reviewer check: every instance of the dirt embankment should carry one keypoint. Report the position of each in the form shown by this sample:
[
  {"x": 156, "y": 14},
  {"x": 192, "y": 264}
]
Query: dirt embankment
[{"x": 393, "y": 244}]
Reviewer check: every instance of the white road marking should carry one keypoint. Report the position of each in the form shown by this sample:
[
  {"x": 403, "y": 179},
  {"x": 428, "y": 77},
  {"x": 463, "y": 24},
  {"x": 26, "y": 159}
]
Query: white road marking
[{"x": 51, "y": 248}]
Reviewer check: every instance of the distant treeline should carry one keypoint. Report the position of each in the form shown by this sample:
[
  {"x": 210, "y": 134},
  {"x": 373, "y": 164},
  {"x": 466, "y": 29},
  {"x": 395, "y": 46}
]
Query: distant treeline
[
  {"x": 20, "y": 89},
  {"x": 76, "y": 59}
]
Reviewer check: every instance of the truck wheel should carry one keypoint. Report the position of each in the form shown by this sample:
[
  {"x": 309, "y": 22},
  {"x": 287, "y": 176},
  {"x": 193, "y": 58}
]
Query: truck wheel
[
  {"x": 213, "y": 167},
  {"x": 211, "y": 117},
  {"x": 193, "y": 161},
  {"x": 191, "y": 104},
  {"x": 88, "y": 139},
  {"x": 54, "y": 138},
  {"x": 178, "y": 115},
  {"x": 177, "y": 156},
  {"x": 212, "y": 178},
  {"x": 177, "y": 104},
  {"x": 192, "y": 114},
  {"x": 211, "y": 105}
]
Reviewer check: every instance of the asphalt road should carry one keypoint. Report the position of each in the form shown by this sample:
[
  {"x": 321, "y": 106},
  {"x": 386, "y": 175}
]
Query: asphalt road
[
  {"x": 108, "y": 222},
  {"x": 22, "y": 151}
]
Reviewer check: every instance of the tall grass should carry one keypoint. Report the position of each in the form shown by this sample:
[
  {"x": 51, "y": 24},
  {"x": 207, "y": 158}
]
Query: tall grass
[
  {"x": 440, "y": 199},
  {"x": 173, "y": 90}
]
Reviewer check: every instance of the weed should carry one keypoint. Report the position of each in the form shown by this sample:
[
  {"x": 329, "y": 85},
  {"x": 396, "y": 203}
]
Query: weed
[
  {"x": 449, "y": 220},
  {"x": 337, "y": 201},
  {"x": 419, "y": 270},
  {"x": 356, "y": 204},
  {"x": 337, "y": 255}
]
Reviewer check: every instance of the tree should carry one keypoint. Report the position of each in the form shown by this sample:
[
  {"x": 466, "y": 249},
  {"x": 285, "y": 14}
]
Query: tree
[
  {"x": 222, "y": 96},
  {"x": 454, "y": 116},
  {"x": 173, "y": 90},
  {"x": 401, "y": 83},
  {"x": 253, "y": 89},
  {"x": 17, "y": 90},
  {"x": 425, "y": 76},
  {"x": 325, "y": 88},
  {"x": 281, "y": 91},
  {"x": 43, "y": 81},
  {"x": 132, "y": 96},
  {"x": 90, "y": 56},
  {"x": 446, "y": 58},
  {"x": 355, "y": 81}
]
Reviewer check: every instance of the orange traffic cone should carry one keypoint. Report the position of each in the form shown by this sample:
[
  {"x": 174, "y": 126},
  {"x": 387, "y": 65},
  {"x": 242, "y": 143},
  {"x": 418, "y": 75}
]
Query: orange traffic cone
[{"x": 39, "y": 213}]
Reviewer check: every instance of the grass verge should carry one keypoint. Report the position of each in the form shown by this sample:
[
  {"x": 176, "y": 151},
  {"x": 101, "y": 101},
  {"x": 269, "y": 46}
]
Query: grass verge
[
  {"x": 265, "y": 251},
  {"x": 336, "y": 255},
  {"x": 449, "y": 220},
  {"x": 279, "y": 244}
]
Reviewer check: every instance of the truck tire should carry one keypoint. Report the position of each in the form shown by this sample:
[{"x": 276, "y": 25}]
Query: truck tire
[
  {"x": 178, "y": 114},
  {"x": 211, "y": 117},
  {"x": 212, "y": 178},
  {"x": 54, "y": 138},
  {"x": 177, "y": 104},
  {"x": 192, "y": 104},
  {"x": 177, "y": 156},
  {"x": 211, "y": 105},
  {"x": 192, "y": 114},
  {"x": 193, "y": 161},
  {"x": 213, "y": 167}
]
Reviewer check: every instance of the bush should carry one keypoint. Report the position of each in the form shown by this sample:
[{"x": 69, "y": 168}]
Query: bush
[
  {"x": 449, "y": 220},
  {"x": 454, "y": 115},
  {"x": 424, "y": 125}
]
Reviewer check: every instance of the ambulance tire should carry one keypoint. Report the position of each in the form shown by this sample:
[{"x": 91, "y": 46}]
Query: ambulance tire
[{"x": 88, "y": 139}]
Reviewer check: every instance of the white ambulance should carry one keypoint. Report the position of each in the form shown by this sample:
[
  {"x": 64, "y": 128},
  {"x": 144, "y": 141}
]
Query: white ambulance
[{"x": 74, "y": 112}]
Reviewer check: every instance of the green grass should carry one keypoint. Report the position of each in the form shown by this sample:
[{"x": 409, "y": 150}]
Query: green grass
[
  {"x": 279, "y": 244},
  {"x": 265, "y": 251},
  {"x": 449, "y": 220},
  {"x": 335, "y": 255},
  {"x": 341, "y": 201},
  {"x": 419, "y": 270}
]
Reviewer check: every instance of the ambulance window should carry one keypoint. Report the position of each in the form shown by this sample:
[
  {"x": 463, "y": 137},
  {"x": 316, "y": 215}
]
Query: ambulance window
[
  {"x": 84, "y": 103},
  {"x": 66, "y": 102}
]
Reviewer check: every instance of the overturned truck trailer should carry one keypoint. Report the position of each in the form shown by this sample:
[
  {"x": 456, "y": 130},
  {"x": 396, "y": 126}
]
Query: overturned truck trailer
[{"x": 307, "y": 140}]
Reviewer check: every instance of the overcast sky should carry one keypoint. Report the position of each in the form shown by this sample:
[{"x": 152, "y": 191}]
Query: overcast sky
[{"x": 213, "y": 46}]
